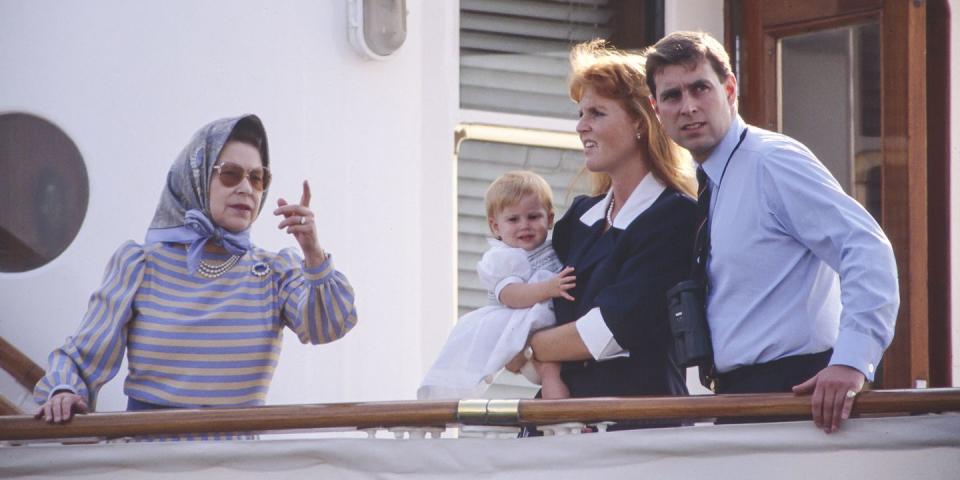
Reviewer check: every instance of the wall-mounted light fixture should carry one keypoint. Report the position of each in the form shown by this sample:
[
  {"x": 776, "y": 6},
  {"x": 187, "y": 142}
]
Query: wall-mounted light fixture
[{"x": 377, "y": 28}]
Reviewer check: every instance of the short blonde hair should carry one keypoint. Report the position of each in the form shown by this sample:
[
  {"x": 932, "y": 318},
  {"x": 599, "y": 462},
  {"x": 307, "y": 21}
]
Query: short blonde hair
[
  {"x": 619, "y": 75},
  {"x": 508, "y": 189}
]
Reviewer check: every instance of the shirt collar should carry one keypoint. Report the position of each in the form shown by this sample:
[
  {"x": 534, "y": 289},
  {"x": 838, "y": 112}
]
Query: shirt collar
[
  {"x": 494, "y": 243},
  {"x": 645, "y": 193},
  {"x": 713, "y": 165}
]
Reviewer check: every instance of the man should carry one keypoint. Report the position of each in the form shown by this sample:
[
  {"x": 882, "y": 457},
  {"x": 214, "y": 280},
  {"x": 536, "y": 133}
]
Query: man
[{"x": 802, "y": 290}]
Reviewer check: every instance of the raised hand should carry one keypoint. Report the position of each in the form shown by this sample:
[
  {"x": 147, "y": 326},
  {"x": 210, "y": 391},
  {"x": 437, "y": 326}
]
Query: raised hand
[{"x": 299, "y": 221}]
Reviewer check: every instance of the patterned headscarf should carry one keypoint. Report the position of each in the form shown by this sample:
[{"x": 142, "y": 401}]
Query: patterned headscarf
[{"x": 183, "y": 214}]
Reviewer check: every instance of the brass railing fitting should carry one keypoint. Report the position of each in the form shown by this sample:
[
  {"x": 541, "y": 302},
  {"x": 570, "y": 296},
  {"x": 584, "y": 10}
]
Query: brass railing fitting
[{"x": 488, "y": 412}]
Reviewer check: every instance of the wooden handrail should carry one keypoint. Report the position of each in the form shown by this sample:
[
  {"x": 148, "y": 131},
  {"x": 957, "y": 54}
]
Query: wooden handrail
[
  {"x": 19, "y": 366},
  {"x": 441, "y": 413},
  {"x": 8, "y": 408},
  {"x": 749, "y": 405}
]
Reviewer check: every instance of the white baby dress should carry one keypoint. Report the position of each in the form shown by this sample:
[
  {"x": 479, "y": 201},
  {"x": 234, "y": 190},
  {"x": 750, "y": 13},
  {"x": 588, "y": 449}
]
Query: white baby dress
[{"x": 484, "y": 340}]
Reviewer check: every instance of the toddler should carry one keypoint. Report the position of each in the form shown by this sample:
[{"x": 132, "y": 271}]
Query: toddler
[{"x": 521, "y": 273}]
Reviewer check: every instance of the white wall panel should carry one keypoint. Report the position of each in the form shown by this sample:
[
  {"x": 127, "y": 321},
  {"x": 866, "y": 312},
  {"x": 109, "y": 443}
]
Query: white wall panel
[
  {"x": 704, "y": 15},
  {"x": 131, "y": 81}
]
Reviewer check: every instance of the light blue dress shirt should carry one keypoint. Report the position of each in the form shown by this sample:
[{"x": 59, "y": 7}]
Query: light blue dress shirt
[{"x": 796, "y": 265}]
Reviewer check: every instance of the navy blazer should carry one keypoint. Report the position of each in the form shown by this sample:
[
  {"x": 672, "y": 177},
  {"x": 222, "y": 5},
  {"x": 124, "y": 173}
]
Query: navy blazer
[{"x": 627, "y": 274}]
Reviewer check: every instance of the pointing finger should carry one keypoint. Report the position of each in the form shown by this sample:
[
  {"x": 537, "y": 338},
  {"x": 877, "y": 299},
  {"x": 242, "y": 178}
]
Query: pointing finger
[{"x": 305, "y": 199}]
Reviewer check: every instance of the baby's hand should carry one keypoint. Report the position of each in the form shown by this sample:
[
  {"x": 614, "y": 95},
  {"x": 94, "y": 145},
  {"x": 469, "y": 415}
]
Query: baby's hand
[
  {"x": 516, "y": 363},
  {"x": 560, "y": 284}
]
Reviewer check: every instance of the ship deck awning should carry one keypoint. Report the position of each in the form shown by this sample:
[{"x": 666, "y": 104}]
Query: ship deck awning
[{"x": 926, "y": 446}]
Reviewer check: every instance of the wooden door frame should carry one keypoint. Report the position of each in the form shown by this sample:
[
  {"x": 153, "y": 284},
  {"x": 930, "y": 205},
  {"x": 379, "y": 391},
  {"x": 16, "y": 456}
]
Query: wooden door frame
[
  {"x": 938, "y": 164},
  {"x": 903, "y": 130}
]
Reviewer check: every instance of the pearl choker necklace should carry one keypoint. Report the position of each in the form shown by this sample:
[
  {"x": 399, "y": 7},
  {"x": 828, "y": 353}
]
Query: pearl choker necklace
[
  {"x": 213, "y": 271},
  {"x": 610, "y": 211}
]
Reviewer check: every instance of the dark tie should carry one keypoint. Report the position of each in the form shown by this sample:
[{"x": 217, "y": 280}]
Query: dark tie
[
  {"x": 702, "y": 251},
  {"x": 702, "y": 245}
]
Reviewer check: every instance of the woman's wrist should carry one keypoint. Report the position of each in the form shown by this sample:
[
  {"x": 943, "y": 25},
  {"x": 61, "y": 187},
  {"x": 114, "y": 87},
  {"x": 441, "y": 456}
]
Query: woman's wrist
[
  {"x": 314, "y": 257},
  {"x": 546, "y": 369}
]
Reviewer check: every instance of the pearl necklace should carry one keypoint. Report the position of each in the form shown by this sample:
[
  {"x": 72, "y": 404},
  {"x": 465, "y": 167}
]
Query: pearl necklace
[
  {"x": 213, "y": 271},
  {"x": 610, "y": 211}
]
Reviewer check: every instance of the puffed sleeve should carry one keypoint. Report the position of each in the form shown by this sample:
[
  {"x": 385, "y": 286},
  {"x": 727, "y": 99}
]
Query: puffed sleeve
[
  {"x": 316, "y": 303},
  {"x": 92, "y": 356},
  {"x": 502, "y": 265}
]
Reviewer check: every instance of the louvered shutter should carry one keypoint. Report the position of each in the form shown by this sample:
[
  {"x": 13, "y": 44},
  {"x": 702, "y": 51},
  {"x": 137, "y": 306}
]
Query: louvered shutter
[{"x": 513, "y": 53}]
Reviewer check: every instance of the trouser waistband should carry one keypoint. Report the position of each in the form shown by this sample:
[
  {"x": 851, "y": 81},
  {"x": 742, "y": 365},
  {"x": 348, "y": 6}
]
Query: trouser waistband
[
  {"x": 134, "y": 405},
  {"x": 791, "y": 362}
]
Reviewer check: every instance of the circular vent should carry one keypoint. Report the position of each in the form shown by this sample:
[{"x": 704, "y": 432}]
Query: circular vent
[{"x": 43, "y": 192}]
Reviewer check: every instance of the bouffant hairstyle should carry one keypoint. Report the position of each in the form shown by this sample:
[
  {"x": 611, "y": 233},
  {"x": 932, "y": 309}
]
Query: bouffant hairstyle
[{"x": 620, "y": 75}]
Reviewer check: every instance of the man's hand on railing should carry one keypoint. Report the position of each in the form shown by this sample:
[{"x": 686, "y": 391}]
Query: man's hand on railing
[
  {"x": 61, "y": 407},
  {"x": 834, "y": 389}
]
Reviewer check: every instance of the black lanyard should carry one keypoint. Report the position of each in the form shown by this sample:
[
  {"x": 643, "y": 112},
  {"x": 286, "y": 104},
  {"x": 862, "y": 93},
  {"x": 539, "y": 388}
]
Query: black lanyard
[
  {"x": 701, "y": 245},
  {"x": 715, "y": 196}
]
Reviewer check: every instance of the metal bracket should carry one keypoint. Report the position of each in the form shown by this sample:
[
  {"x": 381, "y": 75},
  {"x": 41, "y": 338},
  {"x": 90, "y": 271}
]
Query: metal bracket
[{"x": 488, "y": 412}]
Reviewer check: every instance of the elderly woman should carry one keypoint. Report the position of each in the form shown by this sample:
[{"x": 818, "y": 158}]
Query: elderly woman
[
  {"x": 199, "y": 310},
  {"x": 628, "y": 244}
]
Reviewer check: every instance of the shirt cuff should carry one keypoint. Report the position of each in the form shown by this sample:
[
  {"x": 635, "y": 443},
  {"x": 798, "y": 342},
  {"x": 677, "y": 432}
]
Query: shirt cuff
[
  {"x": 63, "y": 387},
  {"x": 321, "y": 272},
  {"x": 597, "y": 336},
  {"x": 503, "y": 284},
  {"x": 857, "y": 350}
]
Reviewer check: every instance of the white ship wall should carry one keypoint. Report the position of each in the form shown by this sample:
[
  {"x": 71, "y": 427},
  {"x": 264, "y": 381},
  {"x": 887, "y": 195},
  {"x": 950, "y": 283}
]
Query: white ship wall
[{"x": 130, "y": 82}]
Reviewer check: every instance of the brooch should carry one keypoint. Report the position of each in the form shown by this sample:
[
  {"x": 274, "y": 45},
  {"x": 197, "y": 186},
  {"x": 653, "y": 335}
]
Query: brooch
[{"x": 260, "y": 269}]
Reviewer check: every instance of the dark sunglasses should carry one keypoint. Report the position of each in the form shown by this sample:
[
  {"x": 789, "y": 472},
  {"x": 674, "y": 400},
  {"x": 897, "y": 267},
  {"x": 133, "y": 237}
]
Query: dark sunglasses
[{"x": 231, "y": 174}]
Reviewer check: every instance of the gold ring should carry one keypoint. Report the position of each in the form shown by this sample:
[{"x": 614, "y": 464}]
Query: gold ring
[{"x": 851, "y": 393}]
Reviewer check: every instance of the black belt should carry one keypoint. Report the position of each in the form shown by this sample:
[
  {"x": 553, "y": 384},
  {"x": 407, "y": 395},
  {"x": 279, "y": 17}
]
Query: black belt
[{"x": 733, "y": 376}]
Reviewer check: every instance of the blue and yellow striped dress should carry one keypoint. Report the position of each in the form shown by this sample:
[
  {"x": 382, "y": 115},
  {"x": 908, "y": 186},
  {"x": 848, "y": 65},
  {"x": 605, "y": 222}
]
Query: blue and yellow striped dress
[{"x": 193, "y": 341}]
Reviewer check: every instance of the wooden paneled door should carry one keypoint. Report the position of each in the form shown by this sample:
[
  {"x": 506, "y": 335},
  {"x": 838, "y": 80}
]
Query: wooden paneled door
[{"x": 847, "y": 78}]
